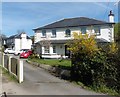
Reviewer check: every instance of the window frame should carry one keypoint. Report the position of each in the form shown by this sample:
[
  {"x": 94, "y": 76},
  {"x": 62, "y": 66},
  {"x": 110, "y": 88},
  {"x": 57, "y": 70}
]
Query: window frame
[
  {"x": 97, "y": 33},
  {"x": 53, "y": 33},
  {"x": 54, "y": 49},
  {"x": 67, "y": 34},
  {"x": 46, "y": 50},
  {"x": 83, "y": 30},
  {"x": 43, "y": 33}
]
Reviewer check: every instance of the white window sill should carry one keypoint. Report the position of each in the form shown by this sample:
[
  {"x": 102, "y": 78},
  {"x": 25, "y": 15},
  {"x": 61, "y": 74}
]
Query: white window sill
[
  {"x": 43, "y": 36},
  {"x": 67, "y": 36},
  {"x": 53, "y": 36}
]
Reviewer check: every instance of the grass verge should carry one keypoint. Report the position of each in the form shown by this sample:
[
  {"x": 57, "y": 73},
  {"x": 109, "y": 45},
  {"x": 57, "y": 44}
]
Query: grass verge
[
  {"x": 102, "y": 89},
  {"x": 52, "y": 62},
  {"x": 8, "y": 75}
]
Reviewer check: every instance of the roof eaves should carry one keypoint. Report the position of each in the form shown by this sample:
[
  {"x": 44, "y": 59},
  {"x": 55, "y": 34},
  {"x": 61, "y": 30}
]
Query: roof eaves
[{"x": 70, "y": 26}]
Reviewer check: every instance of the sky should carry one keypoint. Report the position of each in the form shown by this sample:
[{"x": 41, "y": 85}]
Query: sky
[
  {"x": 24, "y": 16},
  {"x": 60, "y": 0}
]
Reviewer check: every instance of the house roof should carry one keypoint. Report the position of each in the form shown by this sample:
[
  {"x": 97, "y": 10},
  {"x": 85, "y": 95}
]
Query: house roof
[
  {"x": 53, "y": 41},
  {"x": 73, "y": 22},
  {"x": 98, "y": 40},
  {"x": 17, "y": 36}
]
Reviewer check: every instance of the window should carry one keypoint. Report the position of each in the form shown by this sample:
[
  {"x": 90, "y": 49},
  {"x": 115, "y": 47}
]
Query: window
[
  {"x": 46, "y": 49},
  {"x": 97, "y": 30},
  {"x": 54, "y": 33},
  {"x": 83, "y": 30},
  {"x": 68, "y": 33},
  {"x": 43, "y": 33},
  {"x": 54, "y": 49}
]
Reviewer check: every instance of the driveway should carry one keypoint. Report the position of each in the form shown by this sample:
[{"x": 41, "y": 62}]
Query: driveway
[{"x": 37, "y": 81}]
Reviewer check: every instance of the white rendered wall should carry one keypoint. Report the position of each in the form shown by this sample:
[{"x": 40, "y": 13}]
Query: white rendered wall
[
  {"x": 17, "y": 44},
  {"x": 29, "y": 43},
  {"x": 23, "y": 41},
  {"x": 60, "y": 49},
  {"x": 111, "y": 19},
  {"x": 37, "y": 36},
  {"x": 60, "y": 33},
  {"x": 106, "y": 33},
  {"x": 22, "y": 44}
]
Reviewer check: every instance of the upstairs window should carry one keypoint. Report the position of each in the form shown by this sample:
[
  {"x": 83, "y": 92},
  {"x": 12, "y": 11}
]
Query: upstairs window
[
  {"x": 68, "y": 33},
  {"x": 83, "y": 30},
  {"x": 53, "y": 33},
  {"x": 43, "y": 33},
  {"x": 97, "y": 30}
]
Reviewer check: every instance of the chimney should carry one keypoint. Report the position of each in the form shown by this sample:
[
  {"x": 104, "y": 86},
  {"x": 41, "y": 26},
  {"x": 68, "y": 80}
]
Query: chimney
[{"x": 111, "y": 17}]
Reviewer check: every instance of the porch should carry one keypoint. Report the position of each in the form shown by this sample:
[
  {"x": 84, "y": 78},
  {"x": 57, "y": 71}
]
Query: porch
[{"x": 55, "y": 49}]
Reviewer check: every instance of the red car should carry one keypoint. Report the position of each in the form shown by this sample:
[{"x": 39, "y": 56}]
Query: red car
[{"x": 26, "y": 54}]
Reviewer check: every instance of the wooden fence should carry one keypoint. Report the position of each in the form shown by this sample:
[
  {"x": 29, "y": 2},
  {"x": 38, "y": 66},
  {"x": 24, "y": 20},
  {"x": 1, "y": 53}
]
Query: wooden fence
[{"x": 14, "y": 66}]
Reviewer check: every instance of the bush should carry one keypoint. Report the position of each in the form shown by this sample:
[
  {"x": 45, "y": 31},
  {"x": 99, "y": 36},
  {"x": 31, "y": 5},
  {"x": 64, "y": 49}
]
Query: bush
[
  {"x": 95, "y": 66},
  {"x": 34, "y": 56}
]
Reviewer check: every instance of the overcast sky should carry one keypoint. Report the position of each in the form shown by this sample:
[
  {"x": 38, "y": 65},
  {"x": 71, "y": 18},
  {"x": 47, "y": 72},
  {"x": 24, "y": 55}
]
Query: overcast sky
[{"x": 28, "y": 15}]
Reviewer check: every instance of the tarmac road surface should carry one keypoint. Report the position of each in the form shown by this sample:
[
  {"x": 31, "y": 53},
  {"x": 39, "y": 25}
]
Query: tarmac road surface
[{"x": 37, "y": 81}]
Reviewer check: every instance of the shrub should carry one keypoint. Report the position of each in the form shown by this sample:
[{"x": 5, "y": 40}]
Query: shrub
[
  {"x": 34, "y": 56},
  {"x": 92, "y": 65}
]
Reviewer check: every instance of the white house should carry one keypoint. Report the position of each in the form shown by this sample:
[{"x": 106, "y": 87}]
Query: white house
[
  {"x": 50, "y": 39},
  {"x": 18, "y": 41}
]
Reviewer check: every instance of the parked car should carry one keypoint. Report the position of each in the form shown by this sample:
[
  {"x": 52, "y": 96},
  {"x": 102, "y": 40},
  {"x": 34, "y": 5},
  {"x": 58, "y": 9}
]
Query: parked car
[
  {"x": 30, "y": 52},
  {"x": 20, "y": 51},
  {"x": 9, "y": 51},
  {"x": 26, "y": 54}
]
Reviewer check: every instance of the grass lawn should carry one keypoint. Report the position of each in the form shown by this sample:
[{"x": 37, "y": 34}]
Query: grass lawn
[{"x": 52, "y": 62}]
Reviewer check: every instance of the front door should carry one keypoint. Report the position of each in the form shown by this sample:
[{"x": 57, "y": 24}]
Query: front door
[{"x": 67, "y": 52}]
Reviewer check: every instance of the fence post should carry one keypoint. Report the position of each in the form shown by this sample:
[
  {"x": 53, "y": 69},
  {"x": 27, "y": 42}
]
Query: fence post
[
  {"x": 2, "y": 59},
  {"x": 9, "y": 63},
  {"x": 20, "y": 71}
]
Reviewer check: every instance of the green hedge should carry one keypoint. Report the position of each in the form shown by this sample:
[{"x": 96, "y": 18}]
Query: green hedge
[{"x": 101, "y": 69}]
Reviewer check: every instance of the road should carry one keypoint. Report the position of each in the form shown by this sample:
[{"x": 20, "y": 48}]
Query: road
[{"x": 37, "y": 81}]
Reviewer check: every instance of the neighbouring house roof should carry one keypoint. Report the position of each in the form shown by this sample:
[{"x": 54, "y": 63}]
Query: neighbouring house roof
[
  {"x": 73, "y": 22},
  {"x": 17, "y": 36}
]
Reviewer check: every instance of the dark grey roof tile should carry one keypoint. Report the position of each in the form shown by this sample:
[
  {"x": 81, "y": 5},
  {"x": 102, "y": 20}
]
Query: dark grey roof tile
[{"x": 73, "y": 22}]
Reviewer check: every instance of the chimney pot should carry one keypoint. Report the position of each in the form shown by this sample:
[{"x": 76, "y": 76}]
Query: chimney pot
[{"x": 111, "y": 17}]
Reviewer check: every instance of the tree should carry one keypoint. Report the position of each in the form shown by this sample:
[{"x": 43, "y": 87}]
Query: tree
[
  {"x": 117, "y": 31},
  {"x": 83, "y": 48},
  {"x": 2, "y": 37},
  {"x": 83, "y": 43}
]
